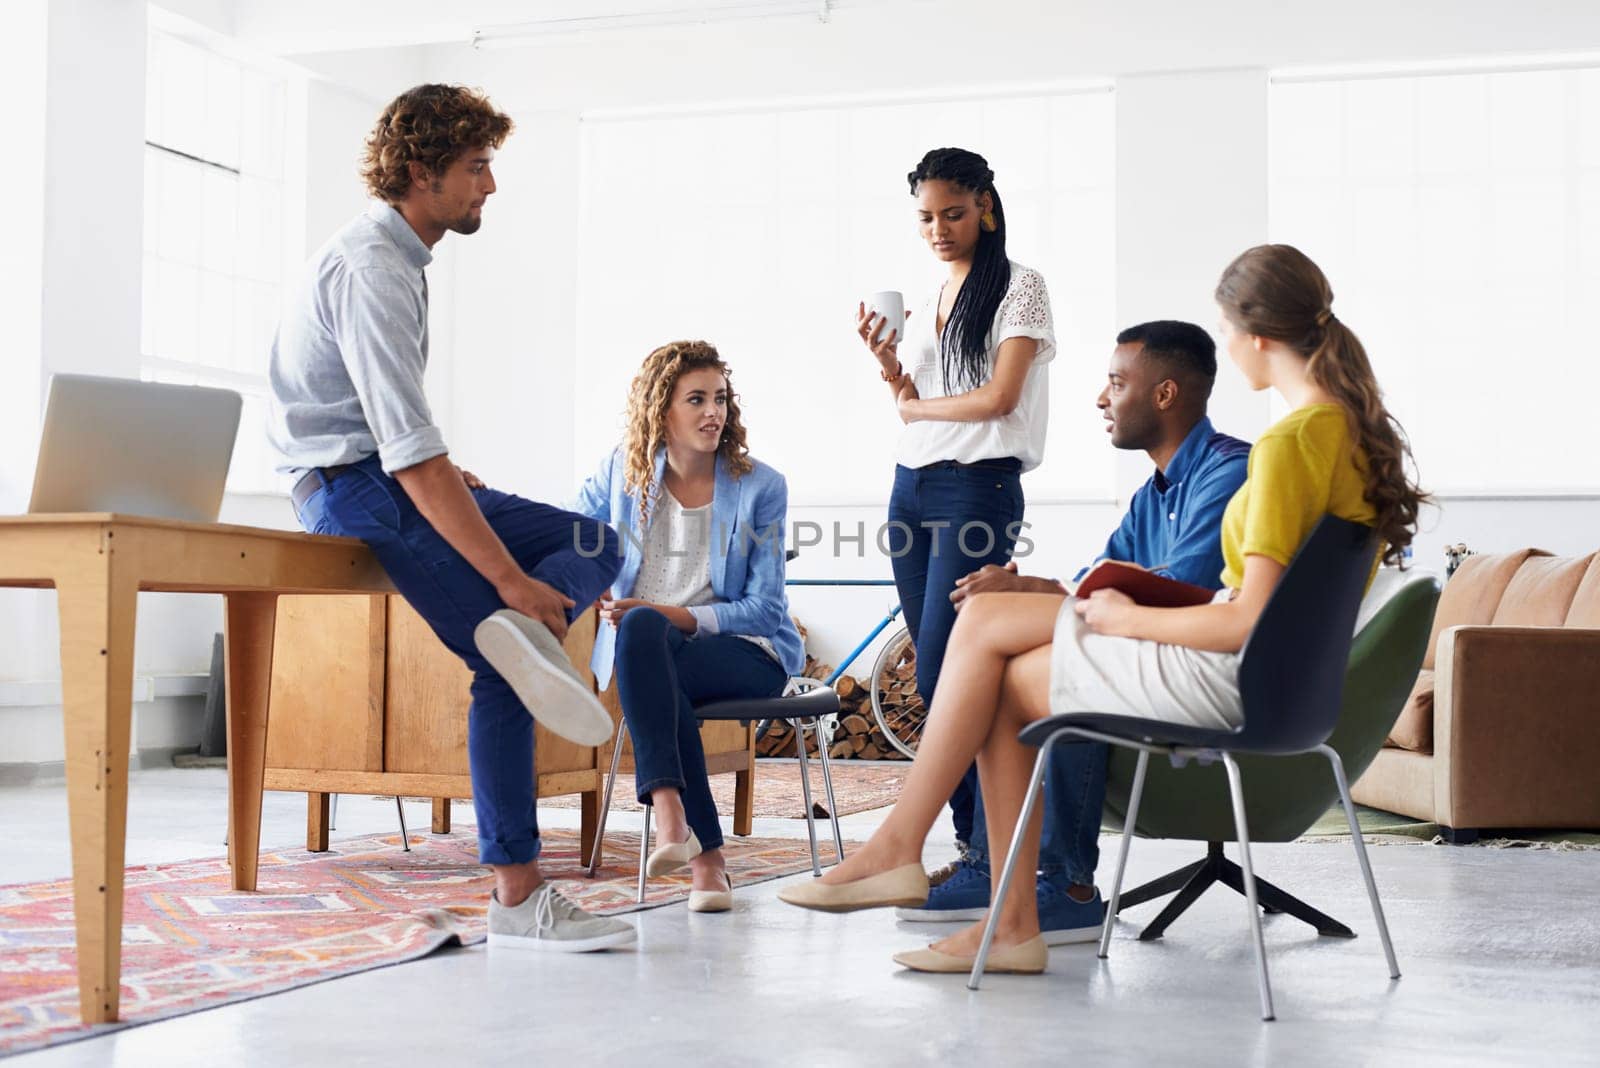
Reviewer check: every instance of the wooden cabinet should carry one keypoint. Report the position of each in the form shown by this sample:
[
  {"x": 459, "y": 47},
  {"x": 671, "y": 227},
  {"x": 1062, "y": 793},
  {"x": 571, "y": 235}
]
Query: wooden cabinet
[{"x": 365, "y": 699}]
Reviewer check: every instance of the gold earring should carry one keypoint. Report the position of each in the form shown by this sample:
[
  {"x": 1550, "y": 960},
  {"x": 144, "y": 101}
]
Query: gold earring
[{"x": 988, "y": 222}]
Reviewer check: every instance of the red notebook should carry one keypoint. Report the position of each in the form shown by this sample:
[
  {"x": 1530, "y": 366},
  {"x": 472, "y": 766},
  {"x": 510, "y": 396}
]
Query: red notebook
[{"x": 1145, "y": 587}]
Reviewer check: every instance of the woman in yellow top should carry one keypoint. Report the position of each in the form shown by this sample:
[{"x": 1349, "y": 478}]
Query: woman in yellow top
[{"x": 1016, "y": 657}]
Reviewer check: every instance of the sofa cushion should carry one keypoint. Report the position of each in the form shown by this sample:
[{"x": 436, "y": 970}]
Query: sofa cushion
[
  {"x": 1473, "y": 593},
  {"x": 1470, "y": 598},
  {"x": 1585, "y": 610},
  {"x": 1541, "y": 592},
  {"x": 1414, "y": 729}
]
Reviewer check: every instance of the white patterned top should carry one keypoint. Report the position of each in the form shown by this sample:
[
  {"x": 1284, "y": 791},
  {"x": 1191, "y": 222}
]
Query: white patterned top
[
  {"x": 675, "y": 566},
  {"x": 1023, "y": 312}
]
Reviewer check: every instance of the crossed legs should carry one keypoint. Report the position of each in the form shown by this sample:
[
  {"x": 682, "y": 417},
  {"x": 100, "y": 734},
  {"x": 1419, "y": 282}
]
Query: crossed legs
[{"x": 995, "y": 680}]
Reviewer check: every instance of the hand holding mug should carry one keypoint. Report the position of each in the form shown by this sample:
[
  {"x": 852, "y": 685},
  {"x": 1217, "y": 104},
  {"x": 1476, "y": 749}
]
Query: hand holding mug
[{"x": 879, "y": 324}]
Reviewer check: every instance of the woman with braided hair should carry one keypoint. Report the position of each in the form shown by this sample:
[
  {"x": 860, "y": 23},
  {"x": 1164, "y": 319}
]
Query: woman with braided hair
[
  {"x": 698, "y": 612},
  {"x": 971, "y": 384},
  {"x": 1017, "y": 657}
]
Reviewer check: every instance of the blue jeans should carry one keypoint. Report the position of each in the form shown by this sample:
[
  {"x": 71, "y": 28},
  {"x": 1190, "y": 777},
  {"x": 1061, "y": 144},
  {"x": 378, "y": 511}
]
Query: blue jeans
[
  {"x": 1074, "y": 794},
  {"x": 947, "y": 520},
  {"x": 662, "y": 674},
  {"x": 450, "y": 595}
]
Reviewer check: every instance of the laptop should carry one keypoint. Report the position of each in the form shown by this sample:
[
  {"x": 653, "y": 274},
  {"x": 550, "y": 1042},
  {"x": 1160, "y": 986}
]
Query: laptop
[{"x": 138, "y": 448}]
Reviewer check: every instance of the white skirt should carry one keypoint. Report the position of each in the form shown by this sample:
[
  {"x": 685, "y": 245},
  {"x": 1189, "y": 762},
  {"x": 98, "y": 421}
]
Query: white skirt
[{"x": 1092, "y": 672}]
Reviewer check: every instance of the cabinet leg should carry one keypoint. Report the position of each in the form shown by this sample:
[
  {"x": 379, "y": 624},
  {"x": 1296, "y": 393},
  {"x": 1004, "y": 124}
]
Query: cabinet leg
[
  {"x": 318, "y": 810},
  {"x": 441, "y": 815},
  {"x": 744, "y": 802},
  {"x": 589, "y": 823}
]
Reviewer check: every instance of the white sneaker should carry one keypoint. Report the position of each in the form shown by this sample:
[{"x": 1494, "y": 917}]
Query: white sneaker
[
  {"x": 528, "y": 657},
  {"x": 549, "y": 923}
]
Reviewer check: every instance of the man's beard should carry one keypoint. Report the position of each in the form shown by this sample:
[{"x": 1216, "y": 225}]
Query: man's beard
[{"x": 467, "y": 224}]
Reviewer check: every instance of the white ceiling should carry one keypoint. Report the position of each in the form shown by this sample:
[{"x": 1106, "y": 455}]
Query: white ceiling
[
  {"x": 873, "y": 45},
  {"x": 1206, "y": 31}
]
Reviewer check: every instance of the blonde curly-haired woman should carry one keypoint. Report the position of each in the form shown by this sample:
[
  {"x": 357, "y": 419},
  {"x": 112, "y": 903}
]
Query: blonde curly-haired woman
[{"x": 698, "y": 612}]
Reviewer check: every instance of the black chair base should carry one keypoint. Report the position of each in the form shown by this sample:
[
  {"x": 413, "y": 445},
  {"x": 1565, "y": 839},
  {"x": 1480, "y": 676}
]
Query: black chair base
[{"x": 1192, "y": 880}]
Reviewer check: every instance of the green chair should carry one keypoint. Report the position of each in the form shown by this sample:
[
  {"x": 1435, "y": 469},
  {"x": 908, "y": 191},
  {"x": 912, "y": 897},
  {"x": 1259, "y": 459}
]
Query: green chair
[{"x": 1286, "y": 794}]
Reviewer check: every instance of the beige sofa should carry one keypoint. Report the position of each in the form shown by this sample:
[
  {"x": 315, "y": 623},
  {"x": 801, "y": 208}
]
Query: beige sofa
[{"x": 1503, "y": 727}]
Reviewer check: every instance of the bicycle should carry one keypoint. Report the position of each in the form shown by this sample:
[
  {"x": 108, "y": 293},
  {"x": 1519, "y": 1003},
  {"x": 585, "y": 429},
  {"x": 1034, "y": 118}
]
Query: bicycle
[{"x": 892, "y": 685}]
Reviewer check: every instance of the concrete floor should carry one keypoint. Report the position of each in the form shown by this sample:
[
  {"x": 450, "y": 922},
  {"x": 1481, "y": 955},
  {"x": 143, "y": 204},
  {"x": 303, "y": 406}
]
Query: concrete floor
[{"x": 1500, "y": 950}]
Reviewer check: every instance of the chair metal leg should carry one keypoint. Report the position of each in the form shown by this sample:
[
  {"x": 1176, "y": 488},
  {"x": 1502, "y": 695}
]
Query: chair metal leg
[
  {"x": 827, "y": 786},
  {"x": 805, "y": 790},
  {"x": 644, "y": 849},
  {"x": 333, "y": 813},
  {"x": 1128, "y": 826},
  {"x": 1236, "y": 793},
  {"x": 596, "y": 852},
  {"x": 997, "y": 899},
  {"x": 405, "y": 836},
  {"x": 1361, "y": 856}
]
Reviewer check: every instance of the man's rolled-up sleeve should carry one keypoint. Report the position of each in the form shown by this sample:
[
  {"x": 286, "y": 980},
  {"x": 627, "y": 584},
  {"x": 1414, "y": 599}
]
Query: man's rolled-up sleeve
[{"x": 378, "y": 323}]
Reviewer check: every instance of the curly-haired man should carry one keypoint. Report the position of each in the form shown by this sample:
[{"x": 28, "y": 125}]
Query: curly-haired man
[{"x": 498, "y": 578}]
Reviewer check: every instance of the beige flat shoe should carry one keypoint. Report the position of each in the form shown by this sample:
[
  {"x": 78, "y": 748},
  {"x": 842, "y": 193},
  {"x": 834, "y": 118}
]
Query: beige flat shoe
[
  {"x": 905, "y": 886},
  {"x": 712, "y": 900},
  {"x": 1029, "y": 958},
  {"x": 666, "y": 859}
]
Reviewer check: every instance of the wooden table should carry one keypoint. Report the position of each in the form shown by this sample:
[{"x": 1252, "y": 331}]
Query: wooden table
[{"x": 98, "y": 564}]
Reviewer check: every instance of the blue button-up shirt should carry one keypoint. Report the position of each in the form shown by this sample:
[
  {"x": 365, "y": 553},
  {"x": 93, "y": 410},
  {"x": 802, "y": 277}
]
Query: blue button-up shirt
[
  {"x": 347, "y": 363},
  {"x": 1174, "y": 522}
]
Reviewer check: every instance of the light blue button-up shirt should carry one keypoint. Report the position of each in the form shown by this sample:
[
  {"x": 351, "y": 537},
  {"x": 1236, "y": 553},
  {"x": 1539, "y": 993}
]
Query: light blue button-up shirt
[
  {"x": 348, "y": 358},
  {"x": 1174, "y": 522}
]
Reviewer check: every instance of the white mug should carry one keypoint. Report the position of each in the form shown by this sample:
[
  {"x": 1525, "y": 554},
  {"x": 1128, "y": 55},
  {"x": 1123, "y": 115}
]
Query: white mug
[{"x": 892, "y": 306}]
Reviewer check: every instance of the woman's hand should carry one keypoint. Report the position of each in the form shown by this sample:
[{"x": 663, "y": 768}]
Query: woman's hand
[
  {"x": 612, "y": 611},
  {"x": 906, "y": 401},
  {"x": 473, "y": 481},
  {"x": 1106, "y": 612},
  {"x": 869, "y": 327}
]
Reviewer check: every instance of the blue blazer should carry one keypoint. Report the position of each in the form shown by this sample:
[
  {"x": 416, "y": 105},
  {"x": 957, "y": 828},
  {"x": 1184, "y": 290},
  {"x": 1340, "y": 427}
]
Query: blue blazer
[{"x": 748, "y": 515}]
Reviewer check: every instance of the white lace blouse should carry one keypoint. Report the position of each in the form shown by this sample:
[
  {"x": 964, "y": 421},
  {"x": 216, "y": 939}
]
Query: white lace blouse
[{"x": 1024, "y": 312}]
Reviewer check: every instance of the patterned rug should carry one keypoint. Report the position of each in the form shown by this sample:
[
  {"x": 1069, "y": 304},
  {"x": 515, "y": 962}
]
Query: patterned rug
[
  {"x": 189, "y": 943},
  {"x": 858, "y": 786}
]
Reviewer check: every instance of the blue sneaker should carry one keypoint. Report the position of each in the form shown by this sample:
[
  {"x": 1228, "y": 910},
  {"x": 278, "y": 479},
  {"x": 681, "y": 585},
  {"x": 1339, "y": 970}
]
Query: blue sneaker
[
  {"x": 963, "y": 896},
  {"x": 1063, "y": 921}
]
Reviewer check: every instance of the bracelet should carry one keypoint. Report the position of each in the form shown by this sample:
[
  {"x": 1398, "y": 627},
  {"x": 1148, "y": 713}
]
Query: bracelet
[{"x": 899, "y": 373}]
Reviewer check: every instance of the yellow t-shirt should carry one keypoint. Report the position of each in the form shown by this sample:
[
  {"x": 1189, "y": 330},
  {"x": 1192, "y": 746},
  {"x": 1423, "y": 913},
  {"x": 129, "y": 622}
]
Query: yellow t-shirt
[{"x": 1303, "y": 466}]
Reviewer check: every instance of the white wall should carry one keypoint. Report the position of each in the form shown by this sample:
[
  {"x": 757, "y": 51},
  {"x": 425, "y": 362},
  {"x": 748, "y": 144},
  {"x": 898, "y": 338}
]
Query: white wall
[
  {"x": 22, "y": 77},
  {"x": 506, "y": 374},
  {"x": 1191, "y": 194}
]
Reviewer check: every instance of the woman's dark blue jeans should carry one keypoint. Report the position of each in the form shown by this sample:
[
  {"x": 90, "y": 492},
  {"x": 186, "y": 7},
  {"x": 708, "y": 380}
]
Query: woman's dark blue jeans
[
  {"x": 947, "y": 520},
  {"x": 662, "y": 674}
]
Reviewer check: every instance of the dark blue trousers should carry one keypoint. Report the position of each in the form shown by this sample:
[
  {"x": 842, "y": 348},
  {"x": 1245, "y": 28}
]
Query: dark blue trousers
[
  {"x": 947, "y": 520},
  {"x": 662, "y": 674},
  {"x": 572, "y": 553},
  {"x": 1074, "y": 794}
]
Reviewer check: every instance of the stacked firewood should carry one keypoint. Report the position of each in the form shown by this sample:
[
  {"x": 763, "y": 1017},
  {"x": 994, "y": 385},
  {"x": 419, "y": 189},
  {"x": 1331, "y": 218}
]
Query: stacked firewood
[{"x": 858, "y": 736}]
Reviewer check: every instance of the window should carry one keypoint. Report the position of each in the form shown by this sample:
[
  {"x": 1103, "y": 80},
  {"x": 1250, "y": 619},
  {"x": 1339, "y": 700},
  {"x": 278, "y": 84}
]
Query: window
[
  {"x": 760, "y": 230},
  {"x": 1458, "y": 217},
  {"x": 213, "y": 232}
]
